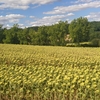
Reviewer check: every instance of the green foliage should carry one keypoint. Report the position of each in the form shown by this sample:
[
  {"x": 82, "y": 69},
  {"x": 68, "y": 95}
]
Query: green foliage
[
  {"x": 60, "y": 34},
  {"x": 57, "y": 33},
  {"x": 71, "y": 45},
  {"x": 95, "y": 42},
  {"x": 85, "y": 44},
  {"x": 95, "y": 25},
  {"x": 43, "y": 36},
  {"x": 11, "y": 35},
  {"x": 1, "y": 34},
  {"x": 95, "y": 34},
  {"x": 82, "y": 44},
  {"x": 79, "y": 30}
]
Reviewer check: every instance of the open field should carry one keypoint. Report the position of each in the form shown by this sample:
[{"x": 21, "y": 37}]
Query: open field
[{"x": 49, "y": 73}]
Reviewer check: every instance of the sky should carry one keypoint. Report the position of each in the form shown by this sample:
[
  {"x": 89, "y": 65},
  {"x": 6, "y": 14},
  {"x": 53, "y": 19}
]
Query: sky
[{"x": 28, "y": 13}]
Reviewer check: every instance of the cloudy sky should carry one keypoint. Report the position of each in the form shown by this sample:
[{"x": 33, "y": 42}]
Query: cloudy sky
[{"x": 46, "y": 12}]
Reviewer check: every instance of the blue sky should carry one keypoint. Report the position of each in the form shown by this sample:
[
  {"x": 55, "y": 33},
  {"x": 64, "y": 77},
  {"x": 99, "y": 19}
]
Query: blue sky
[{"x": 29, "y": 13}]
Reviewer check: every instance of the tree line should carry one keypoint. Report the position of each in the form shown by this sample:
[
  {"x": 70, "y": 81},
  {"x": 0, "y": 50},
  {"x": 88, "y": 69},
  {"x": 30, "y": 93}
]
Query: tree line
[{"x": 79, "y": 31}]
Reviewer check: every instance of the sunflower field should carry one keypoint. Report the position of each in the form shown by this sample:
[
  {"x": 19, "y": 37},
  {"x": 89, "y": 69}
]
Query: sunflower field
[{"x": 49, "y": 73}]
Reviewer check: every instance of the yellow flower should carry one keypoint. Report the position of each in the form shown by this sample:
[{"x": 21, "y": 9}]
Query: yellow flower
[
  {"x": 97, "y": 91},
  {"x": 72, "y": 91},
  {"x": 87, "y": 86},
  {"x": 82, "y": 84},
  {"x": 86, "y": 82}
]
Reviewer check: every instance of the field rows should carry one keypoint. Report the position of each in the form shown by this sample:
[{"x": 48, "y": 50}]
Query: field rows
[{"x": 49, "y": 73}]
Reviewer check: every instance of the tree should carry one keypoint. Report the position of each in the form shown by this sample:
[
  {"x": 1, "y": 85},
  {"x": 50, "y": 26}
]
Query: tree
[
  {"x": 94, "y": 30},
  {"x": 43, "y": 36},
  {"x": 1, "y": 34},
  {"x": 95, "y": 42},
  {"x": 23, "y": 36},
  {"x": 58, "y": 32},
  {"x": 11, "y": 35},
  {"x": 79, "y": 30},
  {"x": 33, "y": 36}
]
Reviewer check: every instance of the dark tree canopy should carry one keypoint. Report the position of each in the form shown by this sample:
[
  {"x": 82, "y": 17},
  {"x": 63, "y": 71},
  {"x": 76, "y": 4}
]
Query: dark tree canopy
[{"x": 78, "y": 31}]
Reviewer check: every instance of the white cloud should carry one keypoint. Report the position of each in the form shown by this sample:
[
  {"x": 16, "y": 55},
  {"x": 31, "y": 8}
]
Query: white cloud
[
  {"x": 70, "y": 14},
  {"x": 94, "y": 16},
  {"x": 82, "y": 1},
  {"x": 21, "y": 25},
  {"x": 72, "y": 8},
  {"x": 7, "y": 26},
  {"x": 43, "y": 1},
  {"x": 22, "y": 4},
  {"x": 13, "y": 6},
  {"x": 11, "y": 18},
  {"x": 49, "y": 20},
  {"x": 32, "y": 16}
]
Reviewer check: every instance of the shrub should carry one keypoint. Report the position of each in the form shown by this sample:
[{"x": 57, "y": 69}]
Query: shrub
[{"x": 95, "y": 42}]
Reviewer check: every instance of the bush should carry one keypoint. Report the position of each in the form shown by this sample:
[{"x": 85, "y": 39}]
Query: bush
[
  {"x": 82, "y": 44},
  {"x": 71, "y": 45},
  {"x": 95, "y": 42},
  {"x": 85, "y": 44}
]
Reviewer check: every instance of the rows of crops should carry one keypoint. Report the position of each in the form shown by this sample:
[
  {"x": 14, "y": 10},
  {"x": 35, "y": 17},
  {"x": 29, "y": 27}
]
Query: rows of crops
[{"x": 49, "y": 73}]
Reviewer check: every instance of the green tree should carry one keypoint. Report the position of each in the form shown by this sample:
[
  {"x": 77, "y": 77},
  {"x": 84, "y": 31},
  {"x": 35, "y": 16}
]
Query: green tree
[
  {"x": 95, "y": 42},
  {"x": 94, "y": 30},
  {"x": 1, "y": 34},
  {"x": 11, "y": 35},
  {"x": 79, "y": 30},
  {"x": 23, "y": 36},
  {"x": 63, "y": 31},
  {"x": 58, "y": 32},
  {"x": 43, "y": 36},
  {"x": 20, "y": 36},
  {"x": 33, "y": 36}
]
